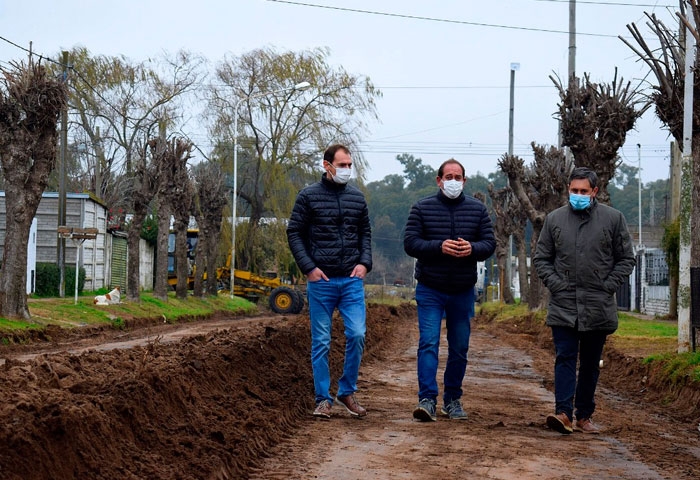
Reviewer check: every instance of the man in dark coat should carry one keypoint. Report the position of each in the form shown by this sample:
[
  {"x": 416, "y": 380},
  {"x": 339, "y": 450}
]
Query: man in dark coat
[
  {"x": 330, "y": 238},
  {"x": 584, "y": 253},
  {"x": 447, "y": 233}
]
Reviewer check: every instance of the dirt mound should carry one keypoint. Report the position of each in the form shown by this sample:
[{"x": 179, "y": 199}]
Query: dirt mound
[{"x": 209, "y": 406}]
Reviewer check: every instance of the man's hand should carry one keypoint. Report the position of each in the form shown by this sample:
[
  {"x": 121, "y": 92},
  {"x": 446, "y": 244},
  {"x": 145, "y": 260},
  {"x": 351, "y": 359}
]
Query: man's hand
[
  {"x": 315, "y": 275},
  {"x": 360, "y": 271},
  {"x": 457, "y": 248}
]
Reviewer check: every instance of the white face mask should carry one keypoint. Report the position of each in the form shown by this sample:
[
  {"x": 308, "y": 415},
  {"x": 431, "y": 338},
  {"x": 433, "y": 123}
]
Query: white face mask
[
  {"x": 452, "y": 188},
  {"x": 342, "y": 175}
]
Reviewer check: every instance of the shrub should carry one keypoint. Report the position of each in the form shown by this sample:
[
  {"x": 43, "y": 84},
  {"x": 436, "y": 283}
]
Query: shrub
[{"x": 48, "y": 279}]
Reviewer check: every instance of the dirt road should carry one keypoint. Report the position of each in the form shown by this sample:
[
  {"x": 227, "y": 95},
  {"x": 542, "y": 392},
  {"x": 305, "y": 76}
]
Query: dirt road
[
  {"x": 232, "y": 399},
  {"x": 505, "y": 436}
]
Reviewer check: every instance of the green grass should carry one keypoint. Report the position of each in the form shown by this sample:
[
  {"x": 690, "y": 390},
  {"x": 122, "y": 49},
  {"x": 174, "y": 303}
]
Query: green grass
[
  {"x": 66, "y": 313},
  {"x": 631, "y": 326},
  {"x": 388, "y": 294},
  {"x": 678, "y": 366}
]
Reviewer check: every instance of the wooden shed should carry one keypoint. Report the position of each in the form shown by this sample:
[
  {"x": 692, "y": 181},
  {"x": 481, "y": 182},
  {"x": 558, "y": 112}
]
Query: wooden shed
[{"x": 82, "y": 211}]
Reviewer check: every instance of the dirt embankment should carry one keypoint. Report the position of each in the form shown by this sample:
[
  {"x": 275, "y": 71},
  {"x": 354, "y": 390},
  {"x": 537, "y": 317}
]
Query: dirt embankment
[{"x": 230, "y": 398}]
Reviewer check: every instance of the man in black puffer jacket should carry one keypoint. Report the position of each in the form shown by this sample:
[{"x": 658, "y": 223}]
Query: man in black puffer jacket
[
  {"x": 330, "y": 238},
  {"x": 448, "y": 233}
]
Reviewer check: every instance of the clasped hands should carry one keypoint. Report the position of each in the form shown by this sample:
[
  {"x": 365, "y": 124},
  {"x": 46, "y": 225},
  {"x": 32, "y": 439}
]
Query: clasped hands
[{"x": 457, "y": 248}]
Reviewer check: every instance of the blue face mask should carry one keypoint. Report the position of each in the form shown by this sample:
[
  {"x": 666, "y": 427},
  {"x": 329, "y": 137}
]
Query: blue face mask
[{"x": 579, "y": 202}]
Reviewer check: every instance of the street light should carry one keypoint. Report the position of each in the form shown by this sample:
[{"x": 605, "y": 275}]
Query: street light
[{"x": 234, "y": 194}]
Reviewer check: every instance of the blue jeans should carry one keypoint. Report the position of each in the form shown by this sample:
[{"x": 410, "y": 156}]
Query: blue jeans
[
  {"x": 348, "y": 296},
  {"x": 584, "y": 348},
  {"x": 457, "y": 309}
]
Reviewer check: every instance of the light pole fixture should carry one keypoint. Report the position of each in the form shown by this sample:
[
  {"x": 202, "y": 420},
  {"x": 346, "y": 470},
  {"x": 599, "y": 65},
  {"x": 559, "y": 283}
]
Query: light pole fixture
[{"x": 234, "y": 194}]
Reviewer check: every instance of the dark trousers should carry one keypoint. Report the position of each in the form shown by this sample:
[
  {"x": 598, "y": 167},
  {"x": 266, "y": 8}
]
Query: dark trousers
[{"x": 584, "y": 348}]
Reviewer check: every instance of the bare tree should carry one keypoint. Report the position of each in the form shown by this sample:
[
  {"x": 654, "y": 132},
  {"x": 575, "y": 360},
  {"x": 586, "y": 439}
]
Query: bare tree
[
  {"x": 540, "y": 188},
  {"x": 595, "y": 119},
  {"x": 115, "y": 103},
  {"x": 283, "y": 131},
  {"x": 174, "y": 196},
  {"x": 502, "y": 228},
  {"x": 667, "y": 64},
  {"x": 31, "y": 100},
  {"x": 210, "y": 203},
  {"x": 145, "y": 181},
  {"x": 179, "y": 193}
]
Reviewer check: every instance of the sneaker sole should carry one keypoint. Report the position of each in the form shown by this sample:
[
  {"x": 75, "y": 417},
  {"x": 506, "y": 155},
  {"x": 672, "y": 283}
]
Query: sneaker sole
[
  {"x": 423, "y": 415},
  {"x": 555, "y": 424},
  {"x": 447, "y": 414},
  {"x": 588, "y": 432},
  {"x": 354, "y": 414}
]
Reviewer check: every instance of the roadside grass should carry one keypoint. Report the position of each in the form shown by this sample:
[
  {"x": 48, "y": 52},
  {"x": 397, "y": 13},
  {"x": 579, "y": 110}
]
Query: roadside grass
[
  {"x": 645, "y": 337},
  {"x": 388, "y": 294},
  {"x": 65, "y": 312},
  {"x": 655, "y": 341}
]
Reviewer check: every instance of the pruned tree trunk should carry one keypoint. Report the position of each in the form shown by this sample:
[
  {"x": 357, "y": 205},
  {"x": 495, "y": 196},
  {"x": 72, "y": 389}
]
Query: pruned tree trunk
[
  {"x": 145, "y": 179},
  {"x": 502, "y": 230},
  {"x": 31, "y": 101},
  {"x": 539, "y": 189},
  {"x": 133, "y": 260},
  {"x": 210, "y": 202},
  {"x": 519, "y": 239},
  {"x": 160, "y": 287},
  {"x": 182, "y": 264},
  {"x": 594, "y": 120}
]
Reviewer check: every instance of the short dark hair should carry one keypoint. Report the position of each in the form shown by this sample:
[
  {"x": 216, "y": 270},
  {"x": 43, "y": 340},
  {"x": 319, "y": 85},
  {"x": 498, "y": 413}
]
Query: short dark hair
[
  {"x": 447, "y": 162},
  {"x": 330, "y": 152},
  {"x": 584, "y": 173}
]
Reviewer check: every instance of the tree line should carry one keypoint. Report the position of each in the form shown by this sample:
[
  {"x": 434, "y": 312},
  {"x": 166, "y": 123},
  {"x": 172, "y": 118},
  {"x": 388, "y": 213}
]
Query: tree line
[{"x": 135, "y": 143}]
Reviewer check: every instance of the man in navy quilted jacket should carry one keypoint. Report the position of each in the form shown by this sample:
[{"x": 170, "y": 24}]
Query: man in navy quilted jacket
[
  {"x": 447, "y": 233},
  {"x": 330, "y": 238}
]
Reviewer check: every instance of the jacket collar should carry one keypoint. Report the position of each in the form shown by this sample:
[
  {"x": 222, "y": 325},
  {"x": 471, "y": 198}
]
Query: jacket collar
[
  {"x": 330, "y": 184},
  {"x": 449, "y": 201},
  {"x": 587, "y": 210}
]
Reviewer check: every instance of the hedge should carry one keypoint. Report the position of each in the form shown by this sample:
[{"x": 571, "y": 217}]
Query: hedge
[{"x": 48, "y": 279}]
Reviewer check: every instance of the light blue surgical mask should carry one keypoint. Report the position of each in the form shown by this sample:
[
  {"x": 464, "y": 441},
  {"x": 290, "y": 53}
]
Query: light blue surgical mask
[{"x": 579, "y": 202}]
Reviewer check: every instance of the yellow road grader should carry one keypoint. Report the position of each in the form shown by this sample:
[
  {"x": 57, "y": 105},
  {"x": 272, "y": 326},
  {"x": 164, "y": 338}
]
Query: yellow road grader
[{"x": 282, "y": 298}]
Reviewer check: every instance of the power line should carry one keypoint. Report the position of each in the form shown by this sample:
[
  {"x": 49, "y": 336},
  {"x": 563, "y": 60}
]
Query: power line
[
  {"x": 615, "y": 4},
  {"x": 441, "y": 20}
]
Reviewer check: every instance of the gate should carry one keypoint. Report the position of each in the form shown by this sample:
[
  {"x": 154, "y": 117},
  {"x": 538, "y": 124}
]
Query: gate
[{"x": 118, "y": 275}]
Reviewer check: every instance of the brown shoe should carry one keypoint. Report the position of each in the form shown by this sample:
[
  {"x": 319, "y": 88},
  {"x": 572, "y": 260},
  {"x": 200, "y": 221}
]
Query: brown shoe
[
  {"x": 560, "y": 423},
  {"x": 323, "y": 409},
  {"x": 351, "y": 405},
  {"x": 586, "y": 425}
]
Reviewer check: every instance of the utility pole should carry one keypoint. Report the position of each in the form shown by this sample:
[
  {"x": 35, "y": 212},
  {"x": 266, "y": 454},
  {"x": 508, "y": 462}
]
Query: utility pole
[
  {"x": 639, "y": 199},
  {"x": 572, "y": 39},
  {"x": 62, "y": 189},
  {"x": 572, "y": 62},
  {"x": 509, "y": 264},
  {"x": 684, "y": 255}
]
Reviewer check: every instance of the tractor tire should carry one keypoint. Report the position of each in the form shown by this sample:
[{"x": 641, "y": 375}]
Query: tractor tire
[
  {"x": 283, "y": 300},
  {"x": 299, "y": 304}
]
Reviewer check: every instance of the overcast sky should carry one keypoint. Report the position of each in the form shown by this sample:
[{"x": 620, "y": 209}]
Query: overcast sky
[{"x": 443, "y": 65}]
